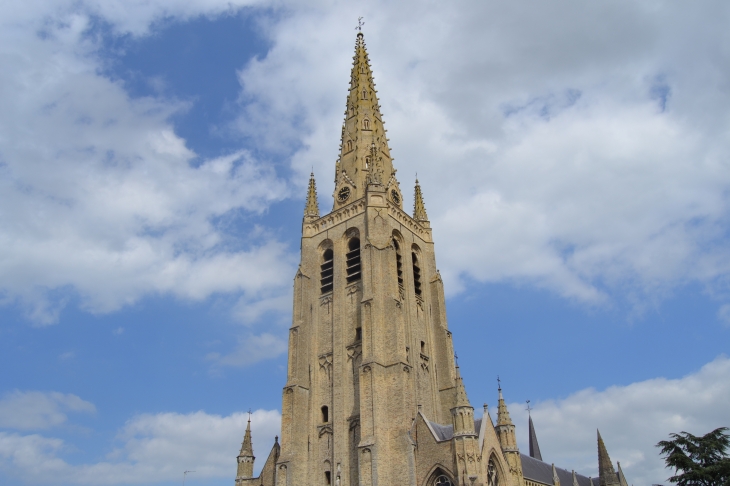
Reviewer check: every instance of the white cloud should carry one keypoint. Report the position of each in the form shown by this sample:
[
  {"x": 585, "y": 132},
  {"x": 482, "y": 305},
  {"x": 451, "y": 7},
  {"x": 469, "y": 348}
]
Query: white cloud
[
  {"x": 105, "y": 201},
  {"x": 29, "y": 410},
  {"x": 156, "y": 447},
  {"x": 578, "y": 147},
  {"x": 251, "y": 349},
  {"x": 632, "y": 419}
]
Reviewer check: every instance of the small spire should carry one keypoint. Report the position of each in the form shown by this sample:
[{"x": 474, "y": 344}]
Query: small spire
[
  {"x": 503, "y": 417},
  {"x": 556, "y": 479},
  {"x": 419, "y": 209},
  {"x": 621, "y": 477},
  {"x": 246, "y": 446},
  {"x": 311, "y": 210},
  {"x": 606, "y": 473},
  {"x": 461, "y": 399},
  {"x": 534, "y": 447},
  {"x": 575, "y": 479}
]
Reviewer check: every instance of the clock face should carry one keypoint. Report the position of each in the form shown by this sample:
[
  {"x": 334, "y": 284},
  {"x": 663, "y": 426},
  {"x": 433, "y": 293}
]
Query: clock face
[
  {"x": 344, "y": 194},
  {"x": 395, "y": 196}
]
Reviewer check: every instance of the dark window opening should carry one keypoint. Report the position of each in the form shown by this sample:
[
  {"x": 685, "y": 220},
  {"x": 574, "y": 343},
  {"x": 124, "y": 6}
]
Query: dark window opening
[
  {"x": 327, "y": 477},
  {"x": 353, "y": 260},
  {"x": 325, "y": 414},
  {"x": 358, "y": 334},
  {"x": 423, "y": 347},
  {"x": 398, "y": 263},
  {"x": 326, "y": 271},
  {"x": 416, "y": 275}
]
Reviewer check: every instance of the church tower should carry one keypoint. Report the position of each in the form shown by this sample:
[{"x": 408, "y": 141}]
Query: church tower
[
  {"x": 373, "y": 395},
  {"x": 369, "y": 345}
]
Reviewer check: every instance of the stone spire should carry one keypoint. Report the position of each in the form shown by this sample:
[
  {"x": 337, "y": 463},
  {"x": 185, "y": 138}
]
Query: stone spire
[
  {"x": 311, "y": 210},
  {"x": 534, "y": 446},
  {"x": 419, "y": 209},
  {"x": 461, "y": 399},
  {"x": 621, "y": 477},
  {"x": 508, "y": 438},
  {"x": 246, "y": 457},
  {"x": 575, "y": 480},
  {"x": 503, "y": 417},
  {"x": 556, "y": 478},
  {"x": 606, "y": 473},
  {"x": 364, "y": 145}
]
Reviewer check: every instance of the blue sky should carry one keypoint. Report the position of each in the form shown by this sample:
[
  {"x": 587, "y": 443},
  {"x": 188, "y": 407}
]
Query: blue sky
[{"x": 153, "y": 163}]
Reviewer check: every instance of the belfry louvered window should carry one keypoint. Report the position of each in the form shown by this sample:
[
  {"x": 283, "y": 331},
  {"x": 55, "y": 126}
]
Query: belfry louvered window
[
  {"x": 416, "y": 275},
  {"x": 353, "y": 260},
  {"x": 398, "y": 263},
  {"x": 326, "y": 271}
]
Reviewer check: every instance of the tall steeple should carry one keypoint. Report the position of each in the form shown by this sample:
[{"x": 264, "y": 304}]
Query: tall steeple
[
  {"x": 364, "y": 152},
  {"x": 311, "y": 209},
  {"x": 419, "y": 209},
  {"x": 534, "y": 446},
  {"x": 246, "y": 457},
  {"x": 606, "y": 473}
]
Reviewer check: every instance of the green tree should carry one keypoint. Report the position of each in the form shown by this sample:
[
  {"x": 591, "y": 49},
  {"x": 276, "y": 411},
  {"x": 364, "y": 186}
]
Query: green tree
[{"x": 698, "y": 461}]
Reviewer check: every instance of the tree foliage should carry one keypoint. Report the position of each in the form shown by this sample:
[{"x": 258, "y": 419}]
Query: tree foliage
[{"x": 698, "y": 461}]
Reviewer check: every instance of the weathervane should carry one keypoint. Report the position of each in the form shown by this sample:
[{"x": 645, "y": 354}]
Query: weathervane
[
  {"x": 456, "y": 359},
  {"x": 360, "y": 23},
  {"x": 528, "y": 407}
]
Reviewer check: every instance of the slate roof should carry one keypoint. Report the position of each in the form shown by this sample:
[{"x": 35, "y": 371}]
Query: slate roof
[
  {"x": 443, "y": 432},
  {"x": 542, "y": 472}
]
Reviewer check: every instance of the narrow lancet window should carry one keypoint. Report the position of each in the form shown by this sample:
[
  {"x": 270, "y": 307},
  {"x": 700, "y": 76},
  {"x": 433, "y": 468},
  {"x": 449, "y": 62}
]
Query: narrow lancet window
[
  {"x": 325, "y": 414},
  {"x": 416, "y": 275},
  {"x": 398, "y": 263},
  {"x": 326, "y": 273},
  {"x": 353, "y": 260}
]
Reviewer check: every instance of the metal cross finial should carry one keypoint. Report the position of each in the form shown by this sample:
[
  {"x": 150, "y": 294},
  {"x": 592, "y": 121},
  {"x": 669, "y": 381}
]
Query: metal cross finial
[
  {"x": 249, "y": 415},
  {"x": 185, "y": 474},
  {"x": 499, "y": 383},
  {"x": 529, "y": 409},
  {"x": 360, "y": 23},
  {"x": 456, "y": 359}
]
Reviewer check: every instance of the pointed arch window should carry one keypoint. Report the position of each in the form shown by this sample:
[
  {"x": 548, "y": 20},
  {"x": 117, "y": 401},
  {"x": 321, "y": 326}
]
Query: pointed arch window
[
  {"x": 398, "y": 263},
  {"x": 364, "y": 94},
  {"x": 326, "y": 271},
  {"x": 325, "y": 414},
  {"x": 366, "y": 124},
  {"x": 353, "y": 260},
  {"x": 349, "y": 145},
  {"x": 416, "y": 274},
  {"x": 492, "y": 473}
]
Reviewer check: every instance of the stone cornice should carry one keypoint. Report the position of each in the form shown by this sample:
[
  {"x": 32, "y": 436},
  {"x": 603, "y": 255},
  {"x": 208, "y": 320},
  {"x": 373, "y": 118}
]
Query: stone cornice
[{"x": 337, "y": 216}]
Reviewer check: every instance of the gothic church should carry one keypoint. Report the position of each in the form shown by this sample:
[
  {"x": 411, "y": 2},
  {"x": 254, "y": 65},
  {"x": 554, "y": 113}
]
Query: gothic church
[{"x": 373, "y": 395}]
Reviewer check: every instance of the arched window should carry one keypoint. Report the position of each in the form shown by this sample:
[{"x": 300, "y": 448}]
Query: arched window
[
  {"x": 364, "y": 94},
  {"x": 325, "y": 414},
  {"x": 366, "y": 124},
  {"x": 416, "y": 274},
  {"x": 326, "y": 271},
  {"x": 349, "y": 145},
  {"x": 398, "y": 263},
  {"x": 353, "y": 260},
  {"x": 492, "y": 474}
]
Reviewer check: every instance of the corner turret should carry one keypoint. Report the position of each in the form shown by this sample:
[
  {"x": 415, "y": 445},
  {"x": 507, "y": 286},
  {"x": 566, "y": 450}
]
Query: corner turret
[
  {"x": 507, "y": 439},
  {"x": 419, "y": 209},
  {"x": 245, "y": 457},
  {"x": 311, "y": 209}
]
